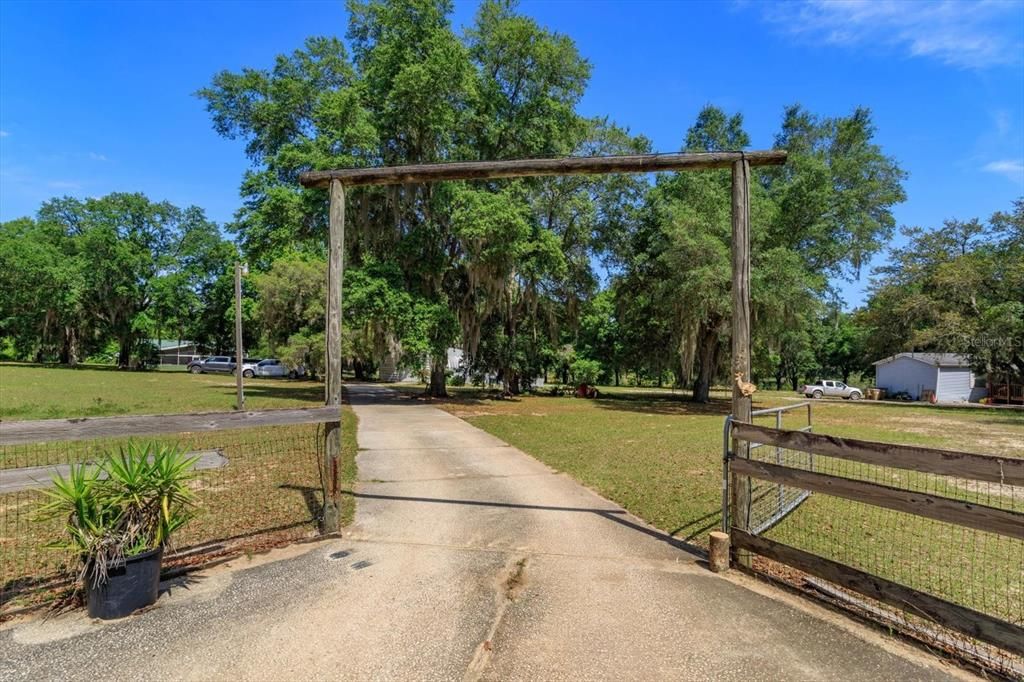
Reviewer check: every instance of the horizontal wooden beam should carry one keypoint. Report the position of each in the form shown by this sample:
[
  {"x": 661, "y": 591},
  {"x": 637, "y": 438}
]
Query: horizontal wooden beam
[
  {"x": 60, "y": 430},
  {"x": 521, "y": 168},
  {"x": 960, "y": 618},
  {"x": 977, "y": 516},
  {"x": 1005, "y": 470}
]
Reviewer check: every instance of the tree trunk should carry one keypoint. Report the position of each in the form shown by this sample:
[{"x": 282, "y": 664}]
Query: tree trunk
[
  {"x": 687, "y": 343},
  {"x": 437, "y": 387},
  {"x": 512, "y": 386},
  {"x": 71, "y": 346},
  {"x": 616, "y": 376},
  {"x": 359, "y": 369},
  {"x": 62, "y": 354},
  {"x": 124, "y": 353},
  {"x": 707, "y": 356}
]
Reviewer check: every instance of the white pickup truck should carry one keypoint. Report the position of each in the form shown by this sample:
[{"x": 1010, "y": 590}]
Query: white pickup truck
[{"x": 832, "y": 388}]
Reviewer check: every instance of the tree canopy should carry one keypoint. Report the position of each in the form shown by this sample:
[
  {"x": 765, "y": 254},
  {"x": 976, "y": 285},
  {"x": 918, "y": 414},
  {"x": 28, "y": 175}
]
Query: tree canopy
[
  {"x": 474, "y": 259},
  {"x": 597, "y": 278},
  {"x": 119, "y": 268},
  {"x": 958, "y": 288}
]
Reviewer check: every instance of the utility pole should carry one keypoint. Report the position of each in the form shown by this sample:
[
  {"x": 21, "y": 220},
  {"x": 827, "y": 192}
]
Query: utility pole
[{"x": 239, "y": 354}]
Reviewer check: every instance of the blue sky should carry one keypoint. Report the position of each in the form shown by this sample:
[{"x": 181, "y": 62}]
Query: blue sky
[{"x": 97, "y": 97}]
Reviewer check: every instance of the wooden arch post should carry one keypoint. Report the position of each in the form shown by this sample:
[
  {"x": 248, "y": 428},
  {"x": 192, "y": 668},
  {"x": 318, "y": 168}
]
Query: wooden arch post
[
  {"x": 741, "y": 404},
  {"x": 332, "y": 385}
]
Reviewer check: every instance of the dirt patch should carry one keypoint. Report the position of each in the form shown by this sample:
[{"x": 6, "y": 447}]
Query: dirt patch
[
  {"x": 1010, "y": 492},
  {"x": 934, "y": 421},
  {"x": 1004, "y": 443},
  {"x": 467, "y": 412},
  {"x": 516, "y": 580}
]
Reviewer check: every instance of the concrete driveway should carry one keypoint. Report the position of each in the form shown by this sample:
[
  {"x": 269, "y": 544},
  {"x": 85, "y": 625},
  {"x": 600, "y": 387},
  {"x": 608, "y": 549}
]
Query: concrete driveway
[{"x": 468, "y": 560}]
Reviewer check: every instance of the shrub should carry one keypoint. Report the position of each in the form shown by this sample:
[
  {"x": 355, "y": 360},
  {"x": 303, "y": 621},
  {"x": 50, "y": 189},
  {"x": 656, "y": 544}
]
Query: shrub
[
  {"x": 129, "y": 504},
  {"x": 585, "y": 371}
]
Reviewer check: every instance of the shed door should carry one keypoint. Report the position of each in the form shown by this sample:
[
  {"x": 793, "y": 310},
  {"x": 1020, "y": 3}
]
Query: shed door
[{"x": 954, "y": 383}]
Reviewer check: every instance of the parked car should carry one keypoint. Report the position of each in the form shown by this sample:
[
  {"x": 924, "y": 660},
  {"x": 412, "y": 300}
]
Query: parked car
[
  {"x": 272, "y": 367},
  {"x": 248, "y": 367},
  {"x": 214, "y": 364},
  {"x": 831, "y": 388},
  {"x": 222, "y": 364}
]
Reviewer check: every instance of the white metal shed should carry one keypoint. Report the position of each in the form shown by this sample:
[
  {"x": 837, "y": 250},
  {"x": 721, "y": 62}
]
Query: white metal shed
[{"x": 947, "y": 374}]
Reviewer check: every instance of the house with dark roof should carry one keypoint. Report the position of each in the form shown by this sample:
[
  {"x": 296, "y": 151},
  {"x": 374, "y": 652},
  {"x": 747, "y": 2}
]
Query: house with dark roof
[
  {"x": 947, "y": 376},
  {"x": 177, "y": 352}
]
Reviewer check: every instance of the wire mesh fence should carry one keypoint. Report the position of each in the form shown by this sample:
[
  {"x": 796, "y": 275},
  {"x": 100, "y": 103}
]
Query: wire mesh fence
[
  {"x": 256, "y": 487},
  {"x": 769, "y": 502},
  {"x": 982, "y": 571}
]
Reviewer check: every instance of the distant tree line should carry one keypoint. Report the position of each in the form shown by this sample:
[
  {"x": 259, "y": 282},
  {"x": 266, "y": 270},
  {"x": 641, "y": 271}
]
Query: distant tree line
[
  {"x": 86, "y": 277},
  {"x": 595, "y": 279},
  {"x": 956, "y": 288}
]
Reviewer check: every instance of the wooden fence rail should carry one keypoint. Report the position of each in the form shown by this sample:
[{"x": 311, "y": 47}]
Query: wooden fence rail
[
  {"x": 977, "y": 516},
  {"x": 962, "y": 465},
  {"x": 974, "y": 623},
  {"x": 1005, "y": 470},
  {"x": 62, "y": 430}
]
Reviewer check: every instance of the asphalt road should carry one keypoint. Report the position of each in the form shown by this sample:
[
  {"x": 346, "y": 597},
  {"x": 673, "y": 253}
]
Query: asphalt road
[{"x": 468, "y": 560}]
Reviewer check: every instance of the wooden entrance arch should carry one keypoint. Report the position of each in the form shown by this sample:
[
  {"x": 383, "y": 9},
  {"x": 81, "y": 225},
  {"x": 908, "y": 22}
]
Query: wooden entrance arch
[{"x": 338, "y": 180}]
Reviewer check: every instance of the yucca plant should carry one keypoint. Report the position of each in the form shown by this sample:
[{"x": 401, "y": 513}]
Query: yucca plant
[{"x": 132, "y": 502}]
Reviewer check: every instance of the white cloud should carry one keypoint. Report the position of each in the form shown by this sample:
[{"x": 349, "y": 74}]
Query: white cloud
[
  {"x": 960, "y": 33},
  {"x": 4, "y": 133},
  {"x": 97, "y": 157},
  {"x": 1013, "y": 169}
]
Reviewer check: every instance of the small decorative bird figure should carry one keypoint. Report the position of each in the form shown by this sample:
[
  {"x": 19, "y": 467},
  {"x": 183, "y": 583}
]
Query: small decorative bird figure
[{"x": 746, "y": 388}]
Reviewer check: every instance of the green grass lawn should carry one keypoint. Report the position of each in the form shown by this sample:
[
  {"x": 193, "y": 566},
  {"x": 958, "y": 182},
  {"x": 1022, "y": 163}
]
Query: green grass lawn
[
  {"x": 269, "y": 492},
  {"x": 52, "y": 392},
  {"x": 649, "y": 450},
  {"x": 660, "y": 457}
]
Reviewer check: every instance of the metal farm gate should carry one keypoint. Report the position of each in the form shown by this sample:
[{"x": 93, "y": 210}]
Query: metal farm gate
[{"x": 767, "y": 502}]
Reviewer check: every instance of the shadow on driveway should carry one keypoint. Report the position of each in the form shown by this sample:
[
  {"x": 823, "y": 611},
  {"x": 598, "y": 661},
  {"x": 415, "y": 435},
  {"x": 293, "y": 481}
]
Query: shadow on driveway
[{"x": 615, "y": 515}]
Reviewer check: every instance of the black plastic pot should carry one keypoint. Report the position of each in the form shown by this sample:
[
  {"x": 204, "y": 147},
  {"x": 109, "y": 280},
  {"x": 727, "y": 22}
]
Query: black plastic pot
[{"x": 129, "y": 587}]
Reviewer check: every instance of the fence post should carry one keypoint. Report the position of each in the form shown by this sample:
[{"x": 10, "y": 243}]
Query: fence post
[
  {"x": 332, "y": 383},
  {"x": 741, "y": 404},
  {"x": 778, "y": 460},
  {"x": 718, "y": 551},
  {"x": 239, "y": 351}
]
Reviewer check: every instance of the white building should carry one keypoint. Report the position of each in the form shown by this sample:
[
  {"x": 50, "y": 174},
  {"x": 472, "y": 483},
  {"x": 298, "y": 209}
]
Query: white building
[
  {"x": 948, "y": 375},
  {"x": 391, "y": 373}
]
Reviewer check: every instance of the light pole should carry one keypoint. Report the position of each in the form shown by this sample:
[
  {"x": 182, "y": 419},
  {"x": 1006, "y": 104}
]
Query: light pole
[{"x": 240, "y": 269}]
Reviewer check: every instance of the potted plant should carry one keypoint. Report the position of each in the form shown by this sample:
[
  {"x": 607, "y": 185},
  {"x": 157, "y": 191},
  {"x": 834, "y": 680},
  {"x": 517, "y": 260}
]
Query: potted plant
[{"x": 118, "y": 518}]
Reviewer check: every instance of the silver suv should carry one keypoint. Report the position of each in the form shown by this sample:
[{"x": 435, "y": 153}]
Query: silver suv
[{"x": 831, "y": 388}]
